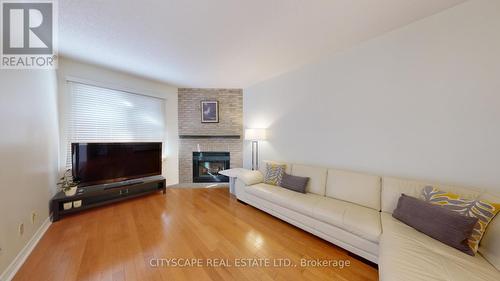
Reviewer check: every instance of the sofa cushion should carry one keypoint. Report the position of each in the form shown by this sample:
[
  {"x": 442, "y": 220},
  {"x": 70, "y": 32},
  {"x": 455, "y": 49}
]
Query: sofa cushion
[
  {"x": 359, "y": 220},
  {"x": 482, "y": 210},
  {"x": 447, "y": 226},
  {"x": 262, "y": 166},
  {"x": 316, "y": 175},
  {"x": 262, "y": 190},
  {"x": 274, "y": 173},
  {"x": 294, "y": 183},
  {"x": 336, "y": 235},
  {"x": 250, "y": 177},
  {"x": 354, "y": 187},
  {"x": 489, "y": 246},
  {"x": 299, "y": 202},
  {"x": 392, "y": 188},
  {"x": 406, "y": 254}
]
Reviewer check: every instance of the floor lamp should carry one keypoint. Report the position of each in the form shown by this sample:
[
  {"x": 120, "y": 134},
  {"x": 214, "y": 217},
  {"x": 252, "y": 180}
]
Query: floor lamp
[{"x": 255, "y": 135}]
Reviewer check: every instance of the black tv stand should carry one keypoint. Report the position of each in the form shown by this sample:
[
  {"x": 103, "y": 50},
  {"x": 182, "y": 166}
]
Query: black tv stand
[
  {"x": 98, "y": 195},
  {"x": 122, "y": 183}
]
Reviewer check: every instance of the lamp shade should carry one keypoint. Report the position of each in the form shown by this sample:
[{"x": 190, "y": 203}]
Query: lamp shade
[{"x": 255, "y": 134}]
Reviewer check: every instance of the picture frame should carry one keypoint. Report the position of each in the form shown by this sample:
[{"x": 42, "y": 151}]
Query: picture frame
[{"x": 209, "y": 111}]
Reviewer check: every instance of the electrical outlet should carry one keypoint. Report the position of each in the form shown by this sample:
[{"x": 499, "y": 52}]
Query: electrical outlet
[
  {"x": 21, "y": 229},
  {"x": 33, "y": 217}
]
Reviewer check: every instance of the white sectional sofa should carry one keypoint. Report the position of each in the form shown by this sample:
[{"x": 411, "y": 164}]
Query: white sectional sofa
[{"x": 354, "y": 211}]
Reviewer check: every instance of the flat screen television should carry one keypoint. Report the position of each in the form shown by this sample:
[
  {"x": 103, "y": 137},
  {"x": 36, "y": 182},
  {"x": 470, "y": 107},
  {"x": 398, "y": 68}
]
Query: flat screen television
[{"x": 100, "y": 163}]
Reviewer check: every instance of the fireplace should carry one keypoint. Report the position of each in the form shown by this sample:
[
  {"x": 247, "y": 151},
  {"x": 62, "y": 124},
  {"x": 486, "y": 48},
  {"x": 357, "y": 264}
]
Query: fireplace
[{"x": 207, "y": 165}]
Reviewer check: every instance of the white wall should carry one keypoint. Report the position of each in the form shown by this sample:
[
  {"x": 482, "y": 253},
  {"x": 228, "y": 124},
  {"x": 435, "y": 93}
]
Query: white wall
[
  {"x": 420, "y": 102},
  {"x": 28, "y": 155},
  {"x": 73, "y": 69}
]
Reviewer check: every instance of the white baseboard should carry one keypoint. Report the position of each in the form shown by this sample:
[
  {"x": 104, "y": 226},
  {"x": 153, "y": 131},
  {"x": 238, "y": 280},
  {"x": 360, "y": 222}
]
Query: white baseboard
[{"x": 16, "y": 264}]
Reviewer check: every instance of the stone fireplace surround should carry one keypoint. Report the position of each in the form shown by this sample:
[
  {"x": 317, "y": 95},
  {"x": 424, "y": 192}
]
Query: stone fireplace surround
[{"x": 194, "y": 136}]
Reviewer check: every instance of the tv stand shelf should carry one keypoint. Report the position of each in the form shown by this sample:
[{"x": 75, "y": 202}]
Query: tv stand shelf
[{"x": 98, "y": 195}]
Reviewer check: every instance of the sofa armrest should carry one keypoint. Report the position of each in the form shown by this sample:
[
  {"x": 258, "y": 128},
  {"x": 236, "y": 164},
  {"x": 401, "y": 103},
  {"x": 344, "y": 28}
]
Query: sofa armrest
[{"x": 251, "y": 177}]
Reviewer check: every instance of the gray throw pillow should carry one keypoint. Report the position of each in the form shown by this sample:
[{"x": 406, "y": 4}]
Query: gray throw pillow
[
  {"x": 294, "y": 183},
  {"x": 449, "y": 227}
]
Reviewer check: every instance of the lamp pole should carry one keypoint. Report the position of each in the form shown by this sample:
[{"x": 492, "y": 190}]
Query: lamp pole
[
  {"x": 255, "y": 135},
  {"x": 255, "y": 155}
]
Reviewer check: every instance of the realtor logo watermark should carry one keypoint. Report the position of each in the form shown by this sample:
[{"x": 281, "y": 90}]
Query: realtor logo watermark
[{"x": 28, "y": 34}]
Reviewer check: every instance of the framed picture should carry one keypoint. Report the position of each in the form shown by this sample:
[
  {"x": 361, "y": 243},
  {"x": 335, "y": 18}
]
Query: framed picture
[{"x": 209, "y": 112}]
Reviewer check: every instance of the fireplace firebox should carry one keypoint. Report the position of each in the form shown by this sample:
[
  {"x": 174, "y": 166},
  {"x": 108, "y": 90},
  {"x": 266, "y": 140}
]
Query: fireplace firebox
[{"x": 207, "y": 165}]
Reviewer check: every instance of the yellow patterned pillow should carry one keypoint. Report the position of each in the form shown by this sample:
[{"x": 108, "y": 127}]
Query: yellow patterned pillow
[
  {"x": 274, "y": 173},
  {"x": 483, "y": 210}
]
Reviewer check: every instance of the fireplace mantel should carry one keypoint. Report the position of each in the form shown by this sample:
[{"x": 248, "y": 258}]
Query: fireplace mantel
[{"x": 209, "y": 136}]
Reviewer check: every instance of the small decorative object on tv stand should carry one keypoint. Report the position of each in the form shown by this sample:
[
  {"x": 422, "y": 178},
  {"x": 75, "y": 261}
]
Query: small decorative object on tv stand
[
  {"x": 67, "y": 184},
  {"x": 98, "y": 195}
]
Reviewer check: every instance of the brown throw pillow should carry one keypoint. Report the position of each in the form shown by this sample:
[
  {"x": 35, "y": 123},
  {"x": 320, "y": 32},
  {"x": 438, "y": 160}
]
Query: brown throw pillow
[
  {"x": 437, "y": 222},
  {"x": 294, "y": 183}
]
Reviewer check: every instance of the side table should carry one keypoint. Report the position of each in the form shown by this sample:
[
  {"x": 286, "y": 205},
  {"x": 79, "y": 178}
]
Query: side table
[{"x": 232, "y": 174}]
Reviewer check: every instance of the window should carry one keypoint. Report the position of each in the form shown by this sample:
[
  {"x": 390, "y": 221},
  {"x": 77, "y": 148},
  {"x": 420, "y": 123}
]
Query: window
[{"x": 97, "y": 114}]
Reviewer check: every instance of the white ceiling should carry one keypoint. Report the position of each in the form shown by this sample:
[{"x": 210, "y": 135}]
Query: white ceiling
[{"x": 224, "y": 43}]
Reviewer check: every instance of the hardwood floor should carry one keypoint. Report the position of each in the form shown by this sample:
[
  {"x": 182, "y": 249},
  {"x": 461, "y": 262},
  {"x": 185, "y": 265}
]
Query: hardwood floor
[{"x": 118, "y": 242}]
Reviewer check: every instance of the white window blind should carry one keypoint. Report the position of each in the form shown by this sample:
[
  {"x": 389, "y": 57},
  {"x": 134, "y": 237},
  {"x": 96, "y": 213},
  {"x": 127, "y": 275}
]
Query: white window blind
[{"x": 99, "y": 114}]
